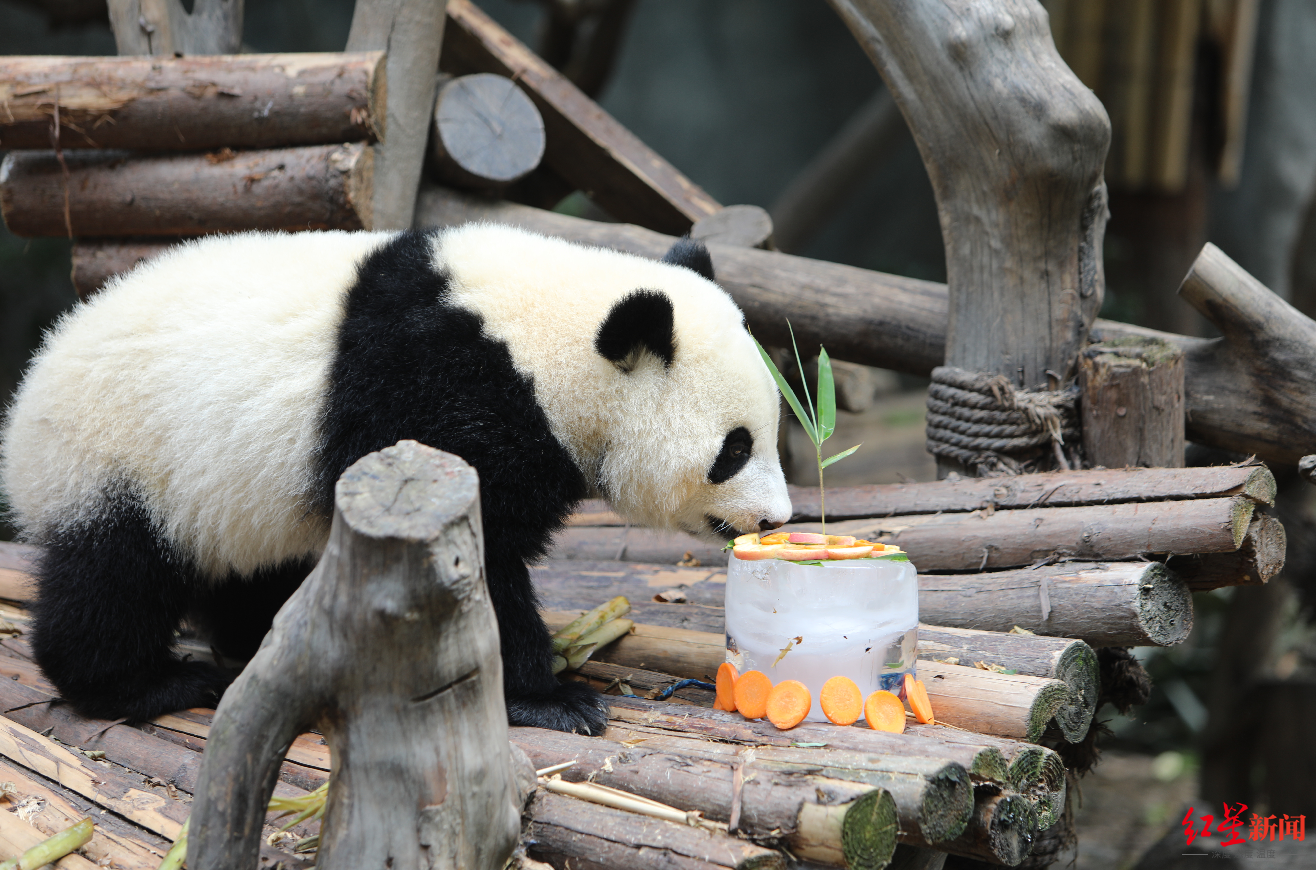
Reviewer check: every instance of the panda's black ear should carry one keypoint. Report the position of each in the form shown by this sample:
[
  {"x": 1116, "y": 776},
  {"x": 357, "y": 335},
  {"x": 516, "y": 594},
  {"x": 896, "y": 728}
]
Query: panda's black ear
[
  {"x": 638, "y": 322},
  {"x": 691, "y": 254}
]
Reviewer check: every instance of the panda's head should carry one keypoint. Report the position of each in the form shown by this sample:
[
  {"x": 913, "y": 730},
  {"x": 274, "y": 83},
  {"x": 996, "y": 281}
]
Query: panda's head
[
  {"x": 645, "y": 370},
  {"x": 694, "y": 442}
]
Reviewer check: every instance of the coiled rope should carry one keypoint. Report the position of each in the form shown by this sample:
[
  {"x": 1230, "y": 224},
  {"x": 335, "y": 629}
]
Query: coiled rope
[{"x": 986, "y": 424}]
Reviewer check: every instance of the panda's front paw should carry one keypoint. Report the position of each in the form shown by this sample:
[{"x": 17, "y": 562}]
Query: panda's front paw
[{"x": 571, "y": 707}]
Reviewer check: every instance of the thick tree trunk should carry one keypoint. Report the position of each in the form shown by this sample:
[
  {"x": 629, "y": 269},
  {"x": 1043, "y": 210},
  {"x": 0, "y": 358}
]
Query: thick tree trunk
[
  {"x": 191, "y": 103},
  {"x": 108, "y": 193},
  {"x": 1017, "y": 172},
  {"x": 421, "y": 773}
]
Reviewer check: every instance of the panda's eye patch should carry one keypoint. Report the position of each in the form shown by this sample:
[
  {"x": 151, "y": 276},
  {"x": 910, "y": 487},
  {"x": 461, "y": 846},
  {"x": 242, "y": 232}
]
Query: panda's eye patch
[{"x": 736, "y": 450}]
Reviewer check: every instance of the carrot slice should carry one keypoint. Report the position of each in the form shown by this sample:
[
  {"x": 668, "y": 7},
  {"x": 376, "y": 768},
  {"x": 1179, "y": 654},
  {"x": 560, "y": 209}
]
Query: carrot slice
[
  {"x": 726, "y": 686},
  {"x": 788, "y": 704},
  {"x": 919, "y": 703},
  {"x": 884, "y": 712},
  {"x": 751, "y": 694},
  {"x": 841, "y": 700},
  {"x": 717, "y": 704}
]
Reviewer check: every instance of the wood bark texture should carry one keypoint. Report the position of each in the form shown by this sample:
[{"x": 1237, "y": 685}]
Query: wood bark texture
[
  {"x": 1016, "y": 169},
  {"x": 572, "y": 834},
  {"x": 976, "y": 541},
  {"x": 1132, "y": 404},
  {"x": 586, "y": 145},
  {"x": 391, "y": 648},
  {"x": 411, "y": 33},
  {"x": 487, "y": 132},
  {"x": 1263, "y": 367},
  {"x": 900, "y": 323},
  {"x": 191, "y": 103},
  {"x": 1104, "y": 604},
  {"x": 1070, "y": 661},
  {"x": 109, "y": 193},
  {"x": 1251, "y": 480},
  {"x": 1001, "y": 831},
  {"x": 1004, "y": 705},
  {"x": 165, "y": 27},
  {"x": 1260, "y": 558},
  {"x": 814, "y": 815}
]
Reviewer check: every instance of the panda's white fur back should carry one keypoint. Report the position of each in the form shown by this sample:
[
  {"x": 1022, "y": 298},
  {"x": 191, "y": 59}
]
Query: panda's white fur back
[{"x": 200, "y": 378}]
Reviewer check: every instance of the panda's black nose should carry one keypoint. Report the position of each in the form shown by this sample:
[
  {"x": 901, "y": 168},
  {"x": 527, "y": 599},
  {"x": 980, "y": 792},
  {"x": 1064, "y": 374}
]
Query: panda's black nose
[{"x": 769, "y": 525}]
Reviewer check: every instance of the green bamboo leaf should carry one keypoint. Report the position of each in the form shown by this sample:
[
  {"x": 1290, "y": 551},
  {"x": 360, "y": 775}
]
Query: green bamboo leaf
[
  {"x": 786, "y": 391},
  {"x": 804, "y": 382},
  {"x": 826, "y": 396},
  {"x": 844, "y": 453}
]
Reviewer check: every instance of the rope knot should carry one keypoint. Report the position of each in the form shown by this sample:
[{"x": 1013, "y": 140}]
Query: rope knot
[{"x": 993, "y": 428}]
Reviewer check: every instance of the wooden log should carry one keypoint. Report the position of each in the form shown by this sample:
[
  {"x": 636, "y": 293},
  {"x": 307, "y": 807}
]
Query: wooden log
[
  {"x": 1264, "y": 347},
  {"x": 1251, "y": 480},
  {"x": 1001, "y": 831},
  {"x": 1034, "y": 771},
  {"x": 1004, "y": 705},
  {"x": 586, "y": 145},
  {"x": 1110, "y": 604},
  {"x": 402, "y": 581},
  {"x": 1070, "y": 661},
  {"x": 980, "y": 540},
  {"x": 96, "y": 261},
  {"x": 410, "y": 32},
  {"x": 487, "y": 133},
  {"x": 108, "y": 194},
  {"x": 574, "y": 834},
  {"x": 831, "y": 821},
  {"x": 165, "y": 27},
  {"x": 740, "y": 226},
  {"x": 1260, "y": 558},
  {"x": 1132, "y": 404},
  {"x": 817, "y": 192},
  {"x": 900, "y": 323},
  {"x": 191, "y": 103},
  {"x": 1021, "y": 708}
]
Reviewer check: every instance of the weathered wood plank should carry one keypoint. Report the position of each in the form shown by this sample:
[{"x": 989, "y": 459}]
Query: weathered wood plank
[
  {"x": 191, "y": 103},
  {"x": 109, "y": 194}
]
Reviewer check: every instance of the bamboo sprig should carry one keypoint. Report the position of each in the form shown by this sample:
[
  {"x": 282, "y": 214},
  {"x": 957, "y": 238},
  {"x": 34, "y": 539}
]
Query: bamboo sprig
[
  {"x": 50, "y": 850},
  {"x": 576, "y": 642},
  {"x": 308, "y": 806},
  {"x": 572, "y": 633},
  {"x": 819, "y": 423},
  {"x": 624, "y": 800}
]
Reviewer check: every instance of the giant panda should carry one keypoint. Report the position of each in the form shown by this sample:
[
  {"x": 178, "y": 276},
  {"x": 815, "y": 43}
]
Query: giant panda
[{"x": 175, "y": 442}]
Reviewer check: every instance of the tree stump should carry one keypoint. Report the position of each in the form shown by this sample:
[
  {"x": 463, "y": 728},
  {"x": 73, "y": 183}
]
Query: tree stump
[
  {"x": 390, "y": 648},
  {"x": 1133, "y": 403}
]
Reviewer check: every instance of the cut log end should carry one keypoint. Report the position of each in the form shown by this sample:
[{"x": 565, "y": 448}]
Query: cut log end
[
  {"x": 1164, "y": 607},
  {"x": 1002, "y": 832},
  {"x": 487, "y": 132},
  {"x": 737, "y": 226},
  {"x": 868, "y": 833},
  {"x": 406, "y": 491}
]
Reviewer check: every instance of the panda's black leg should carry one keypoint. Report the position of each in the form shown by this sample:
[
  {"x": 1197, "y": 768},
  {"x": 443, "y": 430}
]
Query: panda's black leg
[
  {"x": 237, "y": 614},
  {"x": 534, "y": 694},
  {"x": 109, "y": 598}
]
